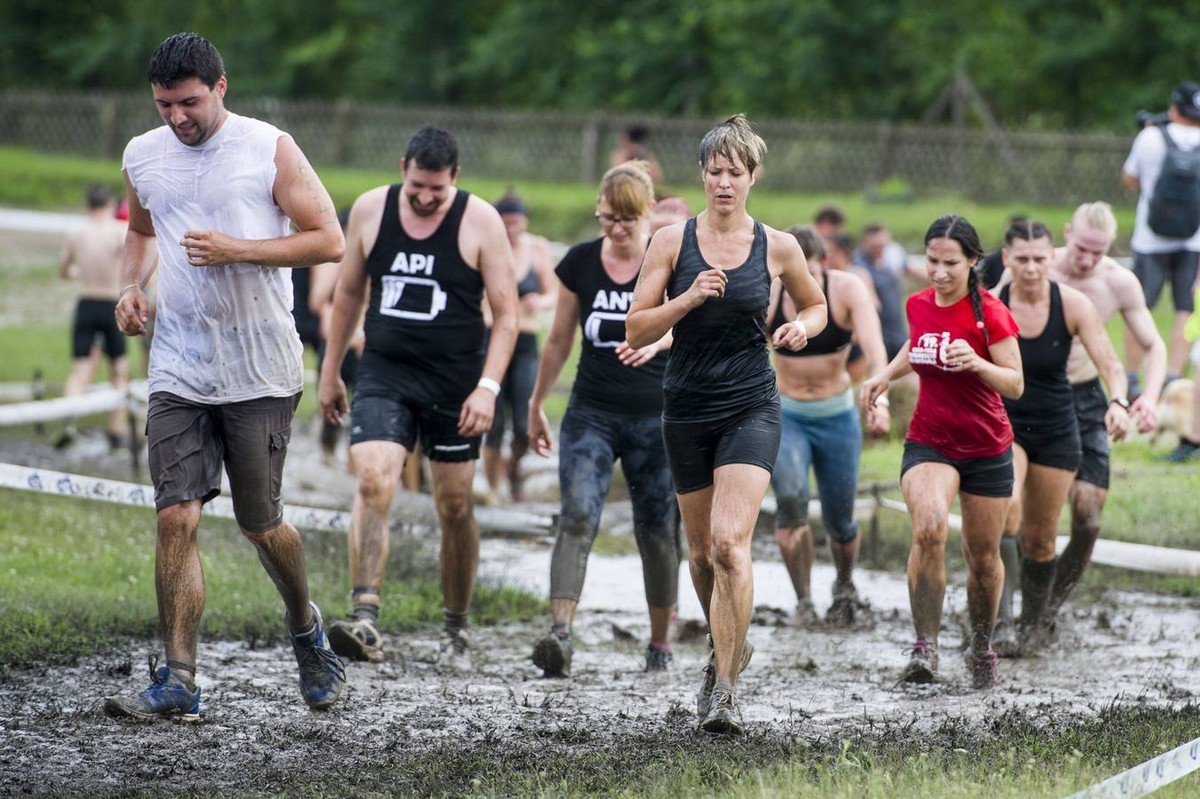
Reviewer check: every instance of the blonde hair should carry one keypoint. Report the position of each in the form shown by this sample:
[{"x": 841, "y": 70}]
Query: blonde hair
[
  {"x": 628, "y": 188},
  {"x": 1097, "y": 216},
  {"x": 734, "y": 138}
]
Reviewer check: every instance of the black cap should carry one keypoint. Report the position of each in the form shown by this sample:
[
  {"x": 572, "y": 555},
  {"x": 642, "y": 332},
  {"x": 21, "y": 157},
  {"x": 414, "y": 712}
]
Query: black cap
[
  {"x": 1186, "y": 97},
  {"x": 511, "y": 204}
]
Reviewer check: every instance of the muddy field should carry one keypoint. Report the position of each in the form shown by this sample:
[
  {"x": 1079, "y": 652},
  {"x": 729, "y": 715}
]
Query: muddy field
[{"x": 401, "y": 727}]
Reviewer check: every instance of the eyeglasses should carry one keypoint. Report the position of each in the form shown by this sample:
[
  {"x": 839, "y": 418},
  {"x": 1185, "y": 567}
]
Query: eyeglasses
[{"x": 626, "y": 221}]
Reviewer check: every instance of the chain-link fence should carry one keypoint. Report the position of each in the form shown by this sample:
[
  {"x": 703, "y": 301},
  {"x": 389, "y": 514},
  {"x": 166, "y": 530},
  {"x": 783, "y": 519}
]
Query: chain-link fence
[{"x": 899, "y": 160}]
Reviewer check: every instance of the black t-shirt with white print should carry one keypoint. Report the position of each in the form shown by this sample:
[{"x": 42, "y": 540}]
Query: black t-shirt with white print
[{"x": 602, "y": 382}]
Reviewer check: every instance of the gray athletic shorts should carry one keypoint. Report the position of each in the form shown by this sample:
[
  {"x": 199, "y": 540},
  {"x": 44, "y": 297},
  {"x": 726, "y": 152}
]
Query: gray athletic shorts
[{"x": 190, "y": 442}]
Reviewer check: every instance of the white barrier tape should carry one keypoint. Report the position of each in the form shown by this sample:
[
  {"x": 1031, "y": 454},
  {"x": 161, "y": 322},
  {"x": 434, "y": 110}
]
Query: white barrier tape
[
  {"x": 1137, "y": 557},
  {"x": 861, "y": 505},
  {"x": 17, "y": 392},
  {"x": 95, "y": 401},
  {"x": 953, "y": 520},
  {"x": 48, "y": 481},
  {"x": 1148, "y": 777},
  {"x": 39, "y": 221},
  {"x": 1142, "y": 557},
  {"x": 61, "y": 408},
  {"x": 495, "y": 520}
]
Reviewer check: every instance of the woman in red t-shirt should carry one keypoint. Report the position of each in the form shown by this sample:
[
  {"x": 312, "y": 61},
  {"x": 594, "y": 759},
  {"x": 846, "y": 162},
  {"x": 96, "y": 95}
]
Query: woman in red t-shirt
[{"x": 962, "y": 343}]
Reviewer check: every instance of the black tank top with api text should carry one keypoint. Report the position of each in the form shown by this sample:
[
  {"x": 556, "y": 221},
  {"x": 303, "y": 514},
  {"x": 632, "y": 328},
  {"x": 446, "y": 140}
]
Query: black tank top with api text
[
  {"x": 424, "y": 324},
  {"x": 1047, "y": 403},
  {"x": 602, "y": 382},
  {"x": 720, "y": 364},
  {"x": 832, "y": 338}
]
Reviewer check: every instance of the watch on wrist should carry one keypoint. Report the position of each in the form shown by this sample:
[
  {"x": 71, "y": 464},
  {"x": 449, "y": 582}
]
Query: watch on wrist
[{"x": 1124, "y": 403}]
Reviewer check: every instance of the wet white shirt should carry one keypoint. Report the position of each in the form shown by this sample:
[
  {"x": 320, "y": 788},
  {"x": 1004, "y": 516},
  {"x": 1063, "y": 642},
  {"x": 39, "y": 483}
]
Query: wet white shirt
[{"x": 222, "y": 333}]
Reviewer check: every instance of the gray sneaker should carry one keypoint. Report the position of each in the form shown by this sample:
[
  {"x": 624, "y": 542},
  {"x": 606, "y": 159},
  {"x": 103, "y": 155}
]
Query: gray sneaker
[
  {"x": 1036, "y": 637},
  {"x": 1004, "y": 640},
  {"x": 454, "y": 651},
  {"x": 805, "y": 617},
  {"x": 723, "y": 717},
  {"x": 845, "y": 605},
  {"x": 552, "y": 654},
  {"x": 704, "y": 695},
  {"x": 658, "y": 659},
  {"x": 356, "y": 639}
]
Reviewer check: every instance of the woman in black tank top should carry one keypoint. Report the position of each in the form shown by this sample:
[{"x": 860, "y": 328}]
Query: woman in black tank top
[
  {"x": 1046, "y": 449},
  {"x": 535, "y": 290},
  {"x": 709, "y": 280}
]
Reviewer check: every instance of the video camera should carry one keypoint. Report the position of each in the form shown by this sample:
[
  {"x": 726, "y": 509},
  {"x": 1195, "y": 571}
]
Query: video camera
[{"x": 1145, "y": 118}]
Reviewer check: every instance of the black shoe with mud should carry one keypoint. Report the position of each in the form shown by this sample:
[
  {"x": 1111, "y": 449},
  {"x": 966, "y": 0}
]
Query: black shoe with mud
[
  {"x": 552, "y": 654},
  {"x": 922, "y": 664},
  {"x": 356, "y": 639}
]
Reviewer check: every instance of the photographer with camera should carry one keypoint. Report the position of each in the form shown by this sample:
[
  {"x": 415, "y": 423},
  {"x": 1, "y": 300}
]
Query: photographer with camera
[{"x": 1164, "y": 167}]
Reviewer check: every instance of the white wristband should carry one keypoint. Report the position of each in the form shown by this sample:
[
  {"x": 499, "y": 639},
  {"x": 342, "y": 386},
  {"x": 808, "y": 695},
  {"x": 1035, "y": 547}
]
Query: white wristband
[{"x": 490, "y": 384}]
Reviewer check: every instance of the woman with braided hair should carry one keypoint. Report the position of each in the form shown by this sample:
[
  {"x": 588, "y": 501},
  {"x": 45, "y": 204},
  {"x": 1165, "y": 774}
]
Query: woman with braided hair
[{"x": 962, "y": 343}]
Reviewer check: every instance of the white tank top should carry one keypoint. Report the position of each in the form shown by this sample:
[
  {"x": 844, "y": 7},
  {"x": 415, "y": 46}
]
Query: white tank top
[{"x": 222, "y": 334}]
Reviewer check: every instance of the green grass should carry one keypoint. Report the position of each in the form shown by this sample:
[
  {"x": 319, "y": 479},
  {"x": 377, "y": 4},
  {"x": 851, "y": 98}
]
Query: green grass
[
  {"x": 72, "y": 573},
  {"x": 1015, "y": 757},
  {"x": 561, "y": 211}
]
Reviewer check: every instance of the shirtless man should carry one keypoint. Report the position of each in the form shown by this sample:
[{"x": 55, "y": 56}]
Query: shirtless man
[
  {"x": 1084, "y": 264},
  {"x": 92, "y": 254}
]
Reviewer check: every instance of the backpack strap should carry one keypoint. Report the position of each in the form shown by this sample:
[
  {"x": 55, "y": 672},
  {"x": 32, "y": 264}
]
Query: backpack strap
[{"x": 1171, "y": 145}]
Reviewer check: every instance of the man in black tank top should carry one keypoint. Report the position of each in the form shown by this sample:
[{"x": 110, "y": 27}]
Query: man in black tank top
[{"x": 427, "y": 250}]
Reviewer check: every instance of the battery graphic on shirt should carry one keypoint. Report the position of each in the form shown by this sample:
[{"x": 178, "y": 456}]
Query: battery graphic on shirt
[
  {"x": 423, "y": 300},
  {"x": 605, "y": 329}
]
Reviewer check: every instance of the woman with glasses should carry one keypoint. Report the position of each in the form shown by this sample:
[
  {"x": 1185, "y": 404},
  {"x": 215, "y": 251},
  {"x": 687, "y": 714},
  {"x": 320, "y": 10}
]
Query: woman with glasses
[
  {"x": 709, "y": 280},
  {"x": 614, "y": 413}
]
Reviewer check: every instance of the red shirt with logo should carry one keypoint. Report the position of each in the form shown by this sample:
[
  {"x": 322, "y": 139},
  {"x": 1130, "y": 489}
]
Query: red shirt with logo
[{"x": 957, "y": 413}]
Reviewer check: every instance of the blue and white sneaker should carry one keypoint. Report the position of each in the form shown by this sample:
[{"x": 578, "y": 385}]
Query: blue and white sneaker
[
  {"x": 167, "y": 697},
  {"x": 321, "y": 672}
]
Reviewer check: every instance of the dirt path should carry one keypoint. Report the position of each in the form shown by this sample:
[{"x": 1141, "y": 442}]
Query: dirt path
[{"x": 801, "y": 686}]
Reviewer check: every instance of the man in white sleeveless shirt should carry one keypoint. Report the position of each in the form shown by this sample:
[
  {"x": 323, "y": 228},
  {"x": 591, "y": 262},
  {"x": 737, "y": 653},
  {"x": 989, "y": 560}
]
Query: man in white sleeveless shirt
[{"x": 213, "y": 192}]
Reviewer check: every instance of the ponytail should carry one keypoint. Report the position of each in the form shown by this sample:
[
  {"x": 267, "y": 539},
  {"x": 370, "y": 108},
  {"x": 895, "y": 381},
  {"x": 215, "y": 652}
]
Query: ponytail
[{"x": 977, "y": 300}]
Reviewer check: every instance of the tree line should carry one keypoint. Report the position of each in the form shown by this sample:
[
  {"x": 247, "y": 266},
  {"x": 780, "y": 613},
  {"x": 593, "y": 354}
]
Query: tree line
[{"x": 1068, "y": 65}]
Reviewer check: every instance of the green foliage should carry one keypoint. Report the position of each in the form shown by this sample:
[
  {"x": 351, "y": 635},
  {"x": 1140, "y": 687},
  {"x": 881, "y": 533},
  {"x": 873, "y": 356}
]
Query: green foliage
[{"x": 817, "y": 59}]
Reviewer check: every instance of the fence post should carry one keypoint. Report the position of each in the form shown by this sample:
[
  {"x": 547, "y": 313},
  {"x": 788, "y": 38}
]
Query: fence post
[
  {"x": 589, "y": 150},
  {"x": 341, "y": 133},
  {"x": 106, "y": 118},
  {"x": 38, "y": 393},
  {"x": 873, "y": 528}
]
